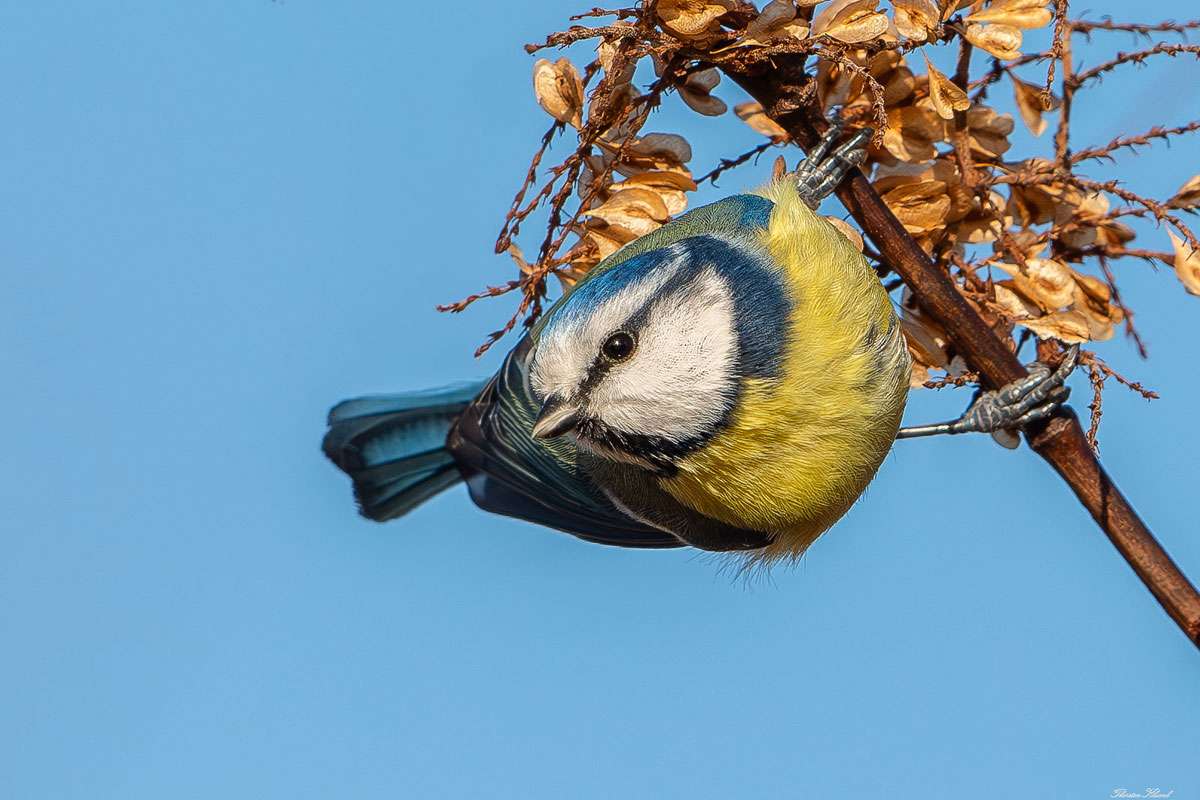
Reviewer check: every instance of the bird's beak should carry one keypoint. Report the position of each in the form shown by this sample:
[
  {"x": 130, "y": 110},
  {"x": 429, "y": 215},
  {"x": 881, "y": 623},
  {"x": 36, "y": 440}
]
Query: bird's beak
[{"x": 556, "y": 418}]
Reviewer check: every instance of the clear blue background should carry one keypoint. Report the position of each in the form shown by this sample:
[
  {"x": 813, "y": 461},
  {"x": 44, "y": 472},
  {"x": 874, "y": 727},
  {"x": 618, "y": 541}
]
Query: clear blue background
[{"x": 220, "y": 218}]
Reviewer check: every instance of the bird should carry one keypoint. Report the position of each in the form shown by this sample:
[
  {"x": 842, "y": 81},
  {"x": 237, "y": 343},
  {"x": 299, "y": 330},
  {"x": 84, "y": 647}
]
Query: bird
[{"x": 730, "y": 381}]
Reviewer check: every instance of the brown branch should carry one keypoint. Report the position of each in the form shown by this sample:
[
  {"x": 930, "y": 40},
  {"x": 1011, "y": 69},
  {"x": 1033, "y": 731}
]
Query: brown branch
[{"x": 1060, "y": 441}]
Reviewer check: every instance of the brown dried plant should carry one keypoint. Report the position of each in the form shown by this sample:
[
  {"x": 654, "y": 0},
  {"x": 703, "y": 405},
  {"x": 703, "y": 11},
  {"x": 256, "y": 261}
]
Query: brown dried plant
[{"x": 1030, "y": 241}]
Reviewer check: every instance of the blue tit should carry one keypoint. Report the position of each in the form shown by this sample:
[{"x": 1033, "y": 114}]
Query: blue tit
[{"x": 731, "y": 381}]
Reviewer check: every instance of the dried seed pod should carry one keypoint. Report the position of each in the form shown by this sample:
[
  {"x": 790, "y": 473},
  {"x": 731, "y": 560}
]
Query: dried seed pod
[
  {"x": 753, "y": 115},
  {"x": 948, "y": 7},
  {"x": 920, "y": 207},
  {"x": 635, "y": 212},
  {"x": 1052, "y": 280},
  {"x": 1013, "y": 304},
  {"x": 898, "y": 86},
  {"x": 984, "y": 222},
  {"x": 1028, "y": 243},
  {"x": 596, "y": 175},
  {"x": 889, "y": 176},
  {"x": 944, "y": 94},
  {"x": 559, "y": 90},
  {"x": 692, "y": 18},
  {"x": 850, "y": 21},
  {"x": 988, "y": 131},
  {"x": 1048, "y": 283},
  {"x": 1015, "y": 13},
  {"x": 777, "y": 21},
  {"x": 1029, "y": 102},
  {"x": 695, "y": 92},
  {"x": 671, "y": 187},
  {"x": 1092, "y": 298},
  {"x": 1111, "y": 233},
  {"x": 915, "y": 19},
  {"x": 669, "y": 147},
  {"x": 652, "y": 151},
  {"x": 1187, "y": 263},
  {"x": 610, "y": 239},
  {"x": 926, "y": 344},
  {"x": 1067, "y": 326},
  {"x": 1002, "y": 41},
  {"x": 847, "y": 230},
  {"x": 911, "y": 133},
  {"x": 1188, "y": 196}
]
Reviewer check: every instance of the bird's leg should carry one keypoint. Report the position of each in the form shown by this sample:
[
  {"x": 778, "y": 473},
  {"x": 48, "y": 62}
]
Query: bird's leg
[
  {"x": 821, "y": 171},
  {"x": 1013, "y": 407}
]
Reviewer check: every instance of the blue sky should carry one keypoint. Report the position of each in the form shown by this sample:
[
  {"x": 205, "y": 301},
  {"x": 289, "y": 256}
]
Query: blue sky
[{"x": 220, "y": 218}]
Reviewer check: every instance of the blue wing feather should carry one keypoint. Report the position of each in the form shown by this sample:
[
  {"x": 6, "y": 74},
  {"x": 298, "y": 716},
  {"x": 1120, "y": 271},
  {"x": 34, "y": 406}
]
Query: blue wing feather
[
  {"x": 400, "y": 450},
  {"x": 393, "y": 447}
]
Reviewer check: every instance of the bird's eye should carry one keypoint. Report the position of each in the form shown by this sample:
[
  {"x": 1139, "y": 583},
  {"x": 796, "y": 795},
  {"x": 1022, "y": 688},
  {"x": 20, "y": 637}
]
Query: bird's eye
[{"x": 619, "y": 346}]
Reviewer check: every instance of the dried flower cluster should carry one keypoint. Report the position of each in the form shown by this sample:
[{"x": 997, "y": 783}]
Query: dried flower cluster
[{"x": 1029, "y": 240}]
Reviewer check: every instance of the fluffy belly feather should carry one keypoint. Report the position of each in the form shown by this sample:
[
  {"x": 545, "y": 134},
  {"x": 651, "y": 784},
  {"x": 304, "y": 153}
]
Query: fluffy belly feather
[{"x": 799, "y": 452}]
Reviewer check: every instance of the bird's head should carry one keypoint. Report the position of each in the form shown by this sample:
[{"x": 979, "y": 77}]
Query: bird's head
[{"x": 643, "y": 363}]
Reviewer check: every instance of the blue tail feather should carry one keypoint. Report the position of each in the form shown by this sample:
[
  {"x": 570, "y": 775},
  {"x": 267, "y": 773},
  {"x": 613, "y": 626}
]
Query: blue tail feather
[{"x": 393, "y": 447}]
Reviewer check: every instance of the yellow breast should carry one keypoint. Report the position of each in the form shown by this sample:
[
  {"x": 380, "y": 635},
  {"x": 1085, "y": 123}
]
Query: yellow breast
[{"x": 800, "y": 450}]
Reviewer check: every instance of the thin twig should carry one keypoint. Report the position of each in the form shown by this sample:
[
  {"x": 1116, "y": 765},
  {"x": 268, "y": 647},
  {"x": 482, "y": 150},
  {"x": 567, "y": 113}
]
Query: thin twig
[
  {"x": 1097, "y": 380},
  {"x": 1062, "y": 32},
  {"x": 1130, "y": 330},
  {"x": 1136, "y": 57},
  {"x": 729, "y": 163},
  {"x": 1087, "y": 26},
  {"x": 619, "y": 13},
  {"x": 1157, "y": 132},
  {"x": 1062, "y": 134},
  {"x": 961, "y": 138}
]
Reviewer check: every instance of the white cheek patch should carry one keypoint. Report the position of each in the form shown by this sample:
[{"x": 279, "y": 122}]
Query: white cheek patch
[
  {"x": 567, "y": 350},
  {"x": 679, "y": 383}
]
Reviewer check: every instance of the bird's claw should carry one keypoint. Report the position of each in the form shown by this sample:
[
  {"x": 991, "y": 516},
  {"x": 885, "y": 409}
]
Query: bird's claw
[
  {"x": 1022, "y": 402},
  {"x": 826, "y": 165}
]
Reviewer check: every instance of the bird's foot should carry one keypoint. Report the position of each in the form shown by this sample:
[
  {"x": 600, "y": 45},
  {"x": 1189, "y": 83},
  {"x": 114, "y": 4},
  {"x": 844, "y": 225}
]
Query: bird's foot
[
  {"x": 1021, "y": 402},
  {"x": 826, "y": 165},
  {"x": 1012, "y": 407}
]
